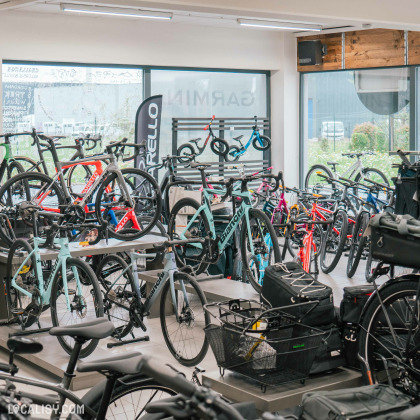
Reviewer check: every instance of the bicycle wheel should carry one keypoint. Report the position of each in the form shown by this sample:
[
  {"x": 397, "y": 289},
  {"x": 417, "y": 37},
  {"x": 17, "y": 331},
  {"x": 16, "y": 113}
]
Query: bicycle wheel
[
  {"x": 375, "y": 175},
  {"x": 13, "y": 168},
  {"x": 358, "y": 241},
  {"x": 312, "y": 179},
  {"x": 389, "y": 336},
  {"x": 219, "y": 146},
  {"x": 181, "y": 215},
  {"x": 183, "y": 320},
  {"x": 26, "y": 309},
  {"x": 34, "y": 189},
  {"x": 118, "y": 293},
  {"x": 184, "y": 152},
  {"x": 28, "y": 164},
  {"x": 77, "y": 177},
  {"x": 128, "y": 223},
  {"x": 85, "y": 301},
  {"x": 333, "y": 242},
  {"x": 261, "y": 143},
  {"x": 129, "y": 399},
  {"x": 265, "y": 244},
  {"x": 232, "y": 154}
]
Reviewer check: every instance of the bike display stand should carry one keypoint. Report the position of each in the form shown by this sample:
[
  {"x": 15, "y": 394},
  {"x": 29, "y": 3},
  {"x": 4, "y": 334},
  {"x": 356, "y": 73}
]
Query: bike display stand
[
  {"x": 240, "y": 389},
  {"x": 221, "y": 125}
]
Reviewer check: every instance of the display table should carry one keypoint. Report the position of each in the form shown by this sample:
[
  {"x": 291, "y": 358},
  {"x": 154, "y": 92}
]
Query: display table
[{"x": 237, "y": 388}]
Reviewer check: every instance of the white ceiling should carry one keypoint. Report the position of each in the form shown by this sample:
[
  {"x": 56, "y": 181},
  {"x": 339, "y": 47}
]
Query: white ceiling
[{"x": 331, "y": 14}]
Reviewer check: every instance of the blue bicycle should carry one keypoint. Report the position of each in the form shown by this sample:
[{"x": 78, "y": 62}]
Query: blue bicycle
[{"x": 259, "y": 141}]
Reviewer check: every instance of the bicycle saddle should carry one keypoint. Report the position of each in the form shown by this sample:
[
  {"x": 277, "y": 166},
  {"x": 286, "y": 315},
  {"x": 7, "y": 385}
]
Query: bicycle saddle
[
  {"x": 195, "y": 140},
  {"x": 238, "y": 138},
  {"x": 95, "y": 329},
  {"x": 127, "y": 364},
  {"x": 332, "y": 163},
  {"x": 23, "y": 345},
  {"x": 199, "y": 166}
]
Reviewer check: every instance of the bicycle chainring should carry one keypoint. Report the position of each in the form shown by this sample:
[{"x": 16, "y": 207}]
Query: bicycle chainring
[{"x": 75, "y": 214}]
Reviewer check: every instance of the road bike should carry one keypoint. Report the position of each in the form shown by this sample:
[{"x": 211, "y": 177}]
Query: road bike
[
  {"x": 67, "y": 286},
  {"x": 129, "y": 198},
  {"x": 123, "y": 394},
  {"x": 259, "y": 141},
  {"x": 190, "y": 220},
  {"x": 182, "y": 316},
  {"x": 356, "y": 172},
  {"x": 218, "y": 146}
]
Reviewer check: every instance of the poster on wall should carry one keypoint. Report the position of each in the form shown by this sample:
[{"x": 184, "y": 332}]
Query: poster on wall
[{"x": 148, "y": 118}]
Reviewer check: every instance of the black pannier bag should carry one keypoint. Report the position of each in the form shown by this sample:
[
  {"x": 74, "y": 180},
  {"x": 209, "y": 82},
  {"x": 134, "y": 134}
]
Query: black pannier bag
[
  {"x": 351, "y": 307},
  {"x": 395, "y": 239},
  {"x": 288, "y": 284},
  {"x": 366, "y": 402}
]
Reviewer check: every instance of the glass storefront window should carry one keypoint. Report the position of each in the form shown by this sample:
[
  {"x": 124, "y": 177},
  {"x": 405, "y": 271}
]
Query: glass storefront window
[
  {"x": 206, "y": 93},
  {"x": 348, "y": 111},
  {"x": 70, "y": 100}
]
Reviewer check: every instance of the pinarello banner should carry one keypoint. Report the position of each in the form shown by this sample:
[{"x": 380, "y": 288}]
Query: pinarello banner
[{"x": 148, "y": 118}]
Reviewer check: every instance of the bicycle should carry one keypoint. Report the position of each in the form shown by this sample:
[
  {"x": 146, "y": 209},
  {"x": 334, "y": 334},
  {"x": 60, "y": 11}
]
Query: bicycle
[
  {"x": 360, "y": 244},
  {"x": 190, "y": 220},
  {"x": 259, "y": 141},
  {"x": 129, "y": 197},
  {"x": 125, "y": 391},
  {"x": 67, "y": 286},
  {"x": 356, "y": 171},
  {"x": 218, "y": 146},
  {"x": 182, "y": 315}
]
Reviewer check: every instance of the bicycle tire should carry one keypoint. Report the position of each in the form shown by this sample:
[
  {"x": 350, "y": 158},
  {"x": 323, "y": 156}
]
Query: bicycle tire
[
  {"x": 89, "y": 279},
  {"x": 266, "y": 143},
  {"x": 147, "y": 208},
  {"x": 29, "y": 278},
  {"x": 339, "y": 241},
  {"x": 313, "y": 170},
  {"x": 13, "y": 168},
  {"x": 219, "y": 146},
  {"x": 200, "y": 320},
  {"x": 381, "y": 178},
  {"x": 116, "y": 294},
  {"x": 33, "y": 166},
  {"x": 272, "y": 256},
  {"x": 70, "y": 177},
  {"x": 229, "y": 155},
  {"x": 122, "y": 396},
  {"x": 393, "y": 296},
  {"x": 199, "y": 230},
  {"x": 357, "y": 245},
  {"x": 17, "y": 190},
  {"x": 185, "y": 150}
]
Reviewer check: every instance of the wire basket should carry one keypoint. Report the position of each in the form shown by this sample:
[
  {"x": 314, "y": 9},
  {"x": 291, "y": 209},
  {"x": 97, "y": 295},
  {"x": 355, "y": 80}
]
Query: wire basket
[{"x": 266, "y": 345}]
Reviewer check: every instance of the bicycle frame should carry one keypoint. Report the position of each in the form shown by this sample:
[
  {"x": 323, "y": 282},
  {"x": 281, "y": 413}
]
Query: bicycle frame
[
  {"x": 241, "y": 212},
  {"x": 304, "y": 253},
  {"x": 169, "y": 269},
  {"x": 61, "y": 262}
]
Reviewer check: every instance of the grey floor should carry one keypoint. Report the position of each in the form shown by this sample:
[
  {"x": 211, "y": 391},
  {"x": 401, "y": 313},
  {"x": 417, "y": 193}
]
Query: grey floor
[{"x": 156, "y": 346}]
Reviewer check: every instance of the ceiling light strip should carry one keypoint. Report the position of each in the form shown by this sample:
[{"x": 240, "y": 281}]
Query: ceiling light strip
[{"x": 291, "y": 26}]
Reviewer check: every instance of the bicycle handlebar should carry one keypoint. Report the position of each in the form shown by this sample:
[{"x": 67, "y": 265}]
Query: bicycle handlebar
[
  {"x": 166, "y": 244},
  {"x": 87, "y": 140}
]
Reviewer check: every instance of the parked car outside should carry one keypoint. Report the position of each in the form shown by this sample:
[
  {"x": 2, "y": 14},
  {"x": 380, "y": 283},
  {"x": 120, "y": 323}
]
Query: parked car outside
[{"x": 332, "y": 130}]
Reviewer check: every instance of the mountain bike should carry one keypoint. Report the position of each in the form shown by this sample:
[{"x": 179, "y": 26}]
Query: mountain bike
[
  {"x": 67, "y": 286},
  {"x": 259, "y": 141},
  {"x": 129, "y": 198},
  {"x": 123, "y": 394},
  {"x": 356, "y": 172},
  {"x": 182, "y": 316},
  {"x": 218, "y": 146},
  {"x": 190, "y": 220}
]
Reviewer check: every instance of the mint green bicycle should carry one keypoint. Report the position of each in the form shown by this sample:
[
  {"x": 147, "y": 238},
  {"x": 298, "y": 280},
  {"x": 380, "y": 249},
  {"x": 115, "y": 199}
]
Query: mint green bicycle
[
  {"x": 67, "y": 285},
  {"x": 192, "y": 220}
]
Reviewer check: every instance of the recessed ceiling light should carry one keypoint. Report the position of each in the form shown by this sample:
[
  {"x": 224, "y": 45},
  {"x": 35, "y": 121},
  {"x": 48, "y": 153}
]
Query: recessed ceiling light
[
  {"x": 114, "y": 11},
  {"x": 279, "y": 25}
]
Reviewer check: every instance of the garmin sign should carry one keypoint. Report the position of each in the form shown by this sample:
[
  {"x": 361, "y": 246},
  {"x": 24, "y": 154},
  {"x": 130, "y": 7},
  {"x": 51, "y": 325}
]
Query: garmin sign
[{"x": 147, "y": 128}]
